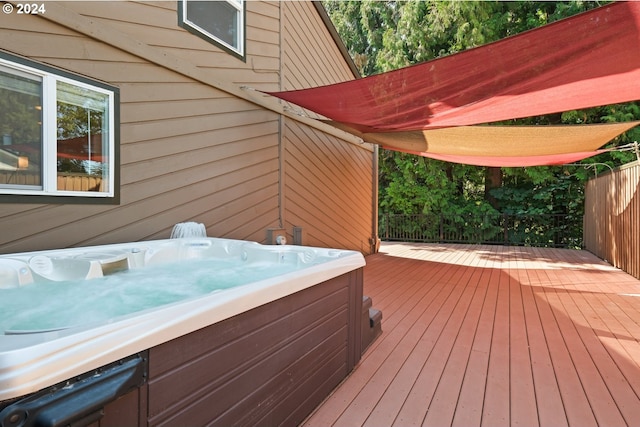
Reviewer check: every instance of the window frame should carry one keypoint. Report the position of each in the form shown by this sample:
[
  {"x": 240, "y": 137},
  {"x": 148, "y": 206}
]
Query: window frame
[
  {"x": 195, "y": 29},
  {"x": 48, "y": 194}
]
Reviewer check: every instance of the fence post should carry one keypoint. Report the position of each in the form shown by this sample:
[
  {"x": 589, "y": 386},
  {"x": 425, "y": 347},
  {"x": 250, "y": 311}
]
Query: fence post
[
  {"x": 386, "y": 226},
  {"x": 505, "y": 226}
]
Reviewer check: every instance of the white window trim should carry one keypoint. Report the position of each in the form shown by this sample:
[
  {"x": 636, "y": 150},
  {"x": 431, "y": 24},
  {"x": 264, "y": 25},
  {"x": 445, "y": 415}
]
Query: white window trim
[
  {"x": 239, "y": 6},
  {"x": 49, "y": 137}
]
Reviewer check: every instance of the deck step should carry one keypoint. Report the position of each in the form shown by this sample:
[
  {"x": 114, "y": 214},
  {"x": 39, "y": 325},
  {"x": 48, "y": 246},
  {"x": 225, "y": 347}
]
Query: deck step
[
  {"x": 371, "y": 323},
  {"x": 375, "y": 318}
]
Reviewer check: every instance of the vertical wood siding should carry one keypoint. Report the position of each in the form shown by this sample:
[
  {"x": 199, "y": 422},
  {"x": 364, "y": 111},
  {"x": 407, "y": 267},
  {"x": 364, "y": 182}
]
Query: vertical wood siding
[
  {"x": 612, "y": 218},
  {"x": 190, "y": 151}
]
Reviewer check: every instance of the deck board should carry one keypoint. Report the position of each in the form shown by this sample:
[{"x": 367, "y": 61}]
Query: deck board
[
  {"x": 547, "y": 392},
  {"x": 523, "y": 403},
  {"x": 491, "y": 336},
  {"x": 496, "y": 398},
  {"x": 471, "y": 399}
]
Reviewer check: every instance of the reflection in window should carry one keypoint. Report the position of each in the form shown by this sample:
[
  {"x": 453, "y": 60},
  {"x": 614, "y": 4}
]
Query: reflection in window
[
  {"x": 217, "y": 18},
  {"x": 83, "y": 138},
  {"x": 58, "y": 135},
  {"x": 221, "y": 22},
  {"x": 20, "y": 130}
]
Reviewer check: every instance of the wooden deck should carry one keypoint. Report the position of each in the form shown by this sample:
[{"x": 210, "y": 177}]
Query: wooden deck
[{"x": 494, "y": 336}]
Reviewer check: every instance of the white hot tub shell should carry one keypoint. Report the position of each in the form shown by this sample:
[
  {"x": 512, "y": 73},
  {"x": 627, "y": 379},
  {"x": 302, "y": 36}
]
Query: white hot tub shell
[{"x": 35, "y": 358}]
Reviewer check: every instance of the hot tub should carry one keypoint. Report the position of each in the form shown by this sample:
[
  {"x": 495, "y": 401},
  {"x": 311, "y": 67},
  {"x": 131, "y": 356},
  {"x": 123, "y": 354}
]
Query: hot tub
[{"x": 194, "y": 322}]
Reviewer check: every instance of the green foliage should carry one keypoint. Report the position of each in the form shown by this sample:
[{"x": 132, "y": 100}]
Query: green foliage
[
  {"x": 542, "y": 193},
  {"x": 411, "y": 184},
  {"x": 386, "y": 35},
  {"x": 19, "y": 116},
  {"x": 74, "y": 122}
]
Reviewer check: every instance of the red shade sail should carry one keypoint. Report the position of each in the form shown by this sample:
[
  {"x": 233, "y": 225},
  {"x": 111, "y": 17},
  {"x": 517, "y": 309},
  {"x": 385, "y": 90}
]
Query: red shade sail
[{"x": 587, "y": 60}]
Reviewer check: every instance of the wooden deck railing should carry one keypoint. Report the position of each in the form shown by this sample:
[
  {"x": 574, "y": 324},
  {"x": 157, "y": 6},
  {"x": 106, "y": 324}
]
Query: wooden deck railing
[{"x": 612, "y": 217}]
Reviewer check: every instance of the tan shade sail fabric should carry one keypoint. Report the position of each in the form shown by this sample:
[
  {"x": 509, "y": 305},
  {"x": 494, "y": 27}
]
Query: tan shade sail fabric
[
  {"x": 502, "y": 141},
  {"x": 491, "y": 145}
]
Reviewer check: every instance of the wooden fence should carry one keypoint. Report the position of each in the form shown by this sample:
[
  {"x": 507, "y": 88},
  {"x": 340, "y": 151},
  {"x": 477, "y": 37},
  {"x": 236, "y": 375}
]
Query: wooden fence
[
  {"x": 612, "y": 217},
  {"x": 65, "y": 182}
]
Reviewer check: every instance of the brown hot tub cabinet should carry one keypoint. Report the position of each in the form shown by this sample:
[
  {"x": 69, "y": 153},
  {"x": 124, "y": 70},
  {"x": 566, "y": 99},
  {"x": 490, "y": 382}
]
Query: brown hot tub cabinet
[{"x": 271, "y": 365}]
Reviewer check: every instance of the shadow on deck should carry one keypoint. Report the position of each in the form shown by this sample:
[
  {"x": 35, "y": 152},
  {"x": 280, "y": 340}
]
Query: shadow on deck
[{"x": 491, "y": 336}]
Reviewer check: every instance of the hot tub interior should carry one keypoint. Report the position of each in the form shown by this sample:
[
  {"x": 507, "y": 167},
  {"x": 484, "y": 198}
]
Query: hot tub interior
[
  {"x": 53, "y": 290},
  {"x": 217, "y": 332}
]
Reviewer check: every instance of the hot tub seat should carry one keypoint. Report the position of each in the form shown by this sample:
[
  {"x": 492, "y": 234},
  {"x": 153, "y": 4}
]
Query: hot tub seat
[{"x": 303, "y": 321}]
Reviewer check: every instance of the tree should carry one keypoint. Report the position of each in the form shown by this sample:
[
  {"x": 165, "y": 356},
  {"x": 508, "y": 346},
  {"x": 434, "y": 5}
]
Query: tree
[
  {"x": 19, "y": 117},
  {"x": 386, "y": 35}
]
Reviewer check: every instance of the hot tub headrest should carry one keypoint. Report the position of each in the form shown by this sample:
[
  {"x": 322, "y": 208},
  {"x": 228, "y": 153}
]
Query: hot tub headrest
[
  {"x": 64, "y": 268},
  {"x": 14, "y": 273}
]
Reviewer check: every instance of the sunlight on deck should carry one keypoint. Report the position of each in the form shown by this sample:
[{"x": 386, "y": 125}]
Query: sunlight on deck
[
  {"x": 503, "y": 257},
  {"x": 494, "y": 335}
]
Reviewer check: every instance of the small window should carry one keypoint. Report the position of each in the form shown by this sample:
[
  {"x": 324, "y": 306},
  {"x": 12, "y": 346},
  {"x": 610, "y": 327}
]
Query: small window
[
  {"x": 58, "y": 135},
  {"x": 218, "y": 21}
]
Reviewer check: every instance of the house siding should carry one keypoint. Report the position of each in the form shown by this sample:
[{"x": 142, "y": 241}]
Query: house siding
[
  {"x": 328, "y": 184},
  {"x": 328, "y": 189},
  {"x": 311, "y": 57},
  {"x": 193, "y": 147}
]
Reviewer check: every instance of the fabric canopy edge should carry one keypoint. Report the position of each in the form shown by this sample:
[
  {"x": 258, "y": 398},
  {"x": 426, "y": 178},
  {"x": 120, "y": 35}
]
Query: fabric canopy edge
[
  {"x": 515, "y": 161},
  {"x": 530, "y": 76},
  {"x": 483, "y": 145}
]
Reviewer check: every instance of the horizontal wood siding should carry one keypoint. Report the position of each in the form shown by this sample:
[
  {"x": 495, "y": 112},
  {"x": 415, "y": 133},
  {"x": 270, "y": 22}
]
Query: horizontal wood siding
[
  {"x": 612, "y": 218},
  {"x": 156, "y": 24},
  {"x": 189, "y": 152},
  {"x": 193, "y": 146}
]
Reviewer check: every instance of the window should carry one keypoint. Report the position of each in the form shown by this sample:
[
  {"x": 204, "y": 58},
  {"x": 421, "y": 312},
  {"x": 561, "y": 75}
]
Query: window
[
  {"x": 58, "y": 135},
  {"x": 218, "y": 21}
]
